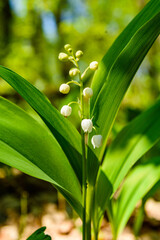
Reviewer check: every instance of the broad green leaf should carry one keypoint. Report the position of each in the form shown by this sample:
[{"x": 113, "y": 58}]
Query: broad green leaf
[
  {"x": 92, "y": 167},
  {"x": 39, "y": 235},
  {"x": 152, "y": 191},
  {"x": 65, "y": 133},
  {"x": 139, "y": 218},
  {"x": 120, "y": 76},
  {"x": 139, "y": 182},
  {"x": 129, "y": 145},
  {"x": 100, "y": 77},
  {"x": 29, "y": 147}
]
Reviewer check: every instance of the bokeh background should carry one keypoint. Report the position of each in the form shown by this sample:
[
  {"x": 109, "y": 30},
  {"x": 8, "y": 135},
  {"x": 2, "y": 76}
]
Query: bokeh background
[{"x": 32, "y": 33}]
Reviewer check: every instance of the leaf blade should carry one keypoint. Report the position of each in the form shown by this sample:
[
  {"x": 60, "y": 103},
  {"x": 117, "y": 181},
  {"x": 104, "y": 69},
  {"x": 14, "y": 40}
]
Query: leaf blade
[
  {"x": 65, "y": 133},
  {"x": 129, "y": 145},
  {"x": 34, "y": 147},
  {"x": 120, "y": 76},
  {"x": 148, "y": 12},
  {"x": 144, "y": 176},
  {"x": 39, "y": 235}
]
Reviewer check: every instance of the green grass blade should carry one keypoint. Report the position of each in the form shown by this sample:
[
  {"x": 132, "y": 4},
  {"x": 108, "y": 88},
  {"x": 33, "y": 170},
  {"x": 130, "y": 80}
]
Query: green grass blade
[
  {"x": 65, "y": 133},
  {"x": 29, "y": 147},
  {"x": 148, "y": 12},
  {"x": 138, "y": 221},
  {"x": 130, "y": 144},
  {"x": 139, "y": 182},
  {"x": 120, "y": 76}
]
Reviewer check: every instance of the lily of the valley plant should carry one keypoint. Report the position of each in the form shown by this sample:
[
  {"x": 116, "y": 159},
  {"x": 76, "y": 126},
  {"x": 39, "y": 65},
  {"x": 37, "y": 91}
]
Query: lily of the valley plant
[{"x": 78, "y": 164}]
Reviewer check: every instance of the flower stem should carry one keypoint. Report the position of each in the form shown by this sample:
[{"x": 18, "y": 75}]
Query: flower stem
[
  {"x": 84, "y": 73},
  {"x": 84, "y": 184},
  {"x": 86, "y": 218},
  {"x": 75, "y": 82},
  {"x": 86, "y": 190},
  {"x": 83, "y": 161},
  {"x": 73, "y": 102}
]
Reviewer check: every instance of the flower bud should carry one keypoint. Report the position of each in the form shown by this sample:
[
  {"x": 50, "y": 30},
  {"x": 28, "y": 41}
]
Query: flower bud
[
  {"x": 93, "y": 65},
  {"x": 73, "y": 72},
  {"x": 96, "y": 141},
  {"x": 64, "y": 88},
  {"x": 70, "y": 50},
  {"x": 88, "y": 92},
  {"x": 66, "y": 110},
  {"x": 67, "y": 46},
  {"x": 87, "y": 125},
  {"x": 70, "y": 58},
  {"x": 79, "y": 54},
  {"x": 63, "y": 57}
]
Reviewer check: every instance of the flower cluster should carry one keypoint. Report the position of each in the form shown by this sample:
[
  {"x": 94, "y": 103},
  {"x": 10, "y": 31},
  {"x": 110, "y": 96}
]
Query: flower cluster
[{"x": 86, "y": 93}]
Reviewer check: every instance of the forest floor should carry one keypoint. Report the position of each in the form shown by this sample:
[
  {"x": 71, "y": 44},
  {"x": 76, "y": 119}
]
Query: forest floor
[
  {"x": 27, "y": 204},
  {"x": 61, "y": 227}
]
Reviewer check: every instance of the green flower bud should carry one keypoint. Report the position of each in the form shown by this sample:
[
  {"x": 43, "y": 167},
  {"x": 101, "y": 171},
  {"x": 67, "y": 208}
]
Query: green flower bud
[
  {"x": 63, "y": 57},
  {"x": 79, "y": 54},
  {"x": 73, "y": 72},
  {"x": 67, "y": 46},
  {"x": 70, "y": 58},
  {"x": 93, "y": 65},
  {"x": 70, "y": 50}
]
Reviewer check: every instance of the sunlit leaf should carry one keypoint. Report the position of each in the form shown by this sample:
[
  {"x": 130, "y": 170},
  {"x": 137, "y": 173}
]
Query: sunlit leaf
[
  {"x": 144, "y": 177},
  {"x": 65, "y": 133},
  {"x": 29, "y": 147},
  {"x": 100, "y": 78},
  {"x": 120, "y": 75},
  {"x": 129, "y": 145}
]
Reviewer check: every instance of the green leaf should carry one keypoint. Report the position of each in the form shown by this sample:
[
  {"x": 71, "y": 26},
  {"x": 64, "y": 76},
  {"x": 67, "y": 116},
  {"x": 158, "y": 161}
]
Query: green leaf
[
  {"x": 138, "y": 220},
  {"x": 29, "y": 147},
  {"x": 39, "y": 235},
  {"x": 65, "y": 133},
  {"x": 129, "y": 145},
  {"x": 139, "y": 182},
  {"x": 148, "y": 12},
  {"x": 152, "y": 191},
  {"x": 120, "y": 75}
]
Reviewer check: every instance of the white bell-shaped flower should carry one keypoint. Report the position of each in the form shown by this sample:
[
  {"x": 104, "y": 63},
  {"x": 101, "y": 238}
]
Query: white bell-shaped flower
[
  {"x": 96, "y": 141},
  {"x": 93, "y": 65},
  {"x": 87, "y": 125},
  {"x": 88, "y": 92},
  {"x": 66, "y": 110},
  {"x": 64, "y": 88}
]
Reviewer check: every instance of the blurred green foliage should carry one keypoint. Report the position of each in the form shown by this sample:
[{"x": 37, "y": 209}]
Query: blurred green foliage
[{"x": 33, "y": 32}]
